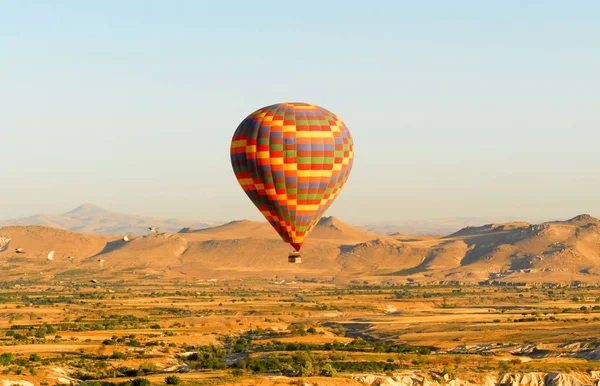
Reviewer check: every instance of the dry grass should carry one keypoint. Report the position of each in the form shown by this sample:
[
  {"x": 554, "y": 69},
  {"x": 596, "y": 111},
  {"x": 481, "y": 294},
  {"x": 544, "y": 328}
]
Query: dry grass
[{"x": 182, "y": 317}]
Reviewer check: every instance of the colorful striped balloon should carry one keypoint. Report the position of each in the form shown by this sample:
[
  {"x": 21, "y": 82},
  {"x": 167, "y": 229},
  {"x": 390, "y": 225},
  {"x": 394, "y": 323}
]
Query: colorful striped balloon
[{"x": 292, "y": 160}]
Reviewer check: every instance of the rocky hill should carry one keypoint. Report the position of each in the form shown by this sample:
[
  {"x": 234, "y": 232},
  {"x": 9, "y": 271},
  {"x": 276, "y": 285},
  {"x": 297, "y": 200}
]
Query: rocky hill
[
  {"x": 559, "y": 251},
  {"x": 504, "y": 379}
]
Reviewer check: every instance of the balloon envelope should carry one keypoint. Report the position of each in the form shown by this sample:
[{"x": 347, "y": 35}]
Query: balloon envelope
[{"x": 292, "y": 160}]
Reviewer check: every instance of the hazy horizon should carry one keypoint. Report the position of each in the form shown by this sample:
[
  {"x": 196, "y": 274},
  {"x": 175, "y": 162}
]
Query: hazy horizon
[
  {"x": 467, "y": 220},
  {"x": 482, "y": 110}
]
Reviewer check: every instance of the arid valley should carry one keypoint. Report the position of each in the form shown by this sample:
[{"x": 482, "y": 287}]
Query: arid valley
[{"x": 499, "y": 304}]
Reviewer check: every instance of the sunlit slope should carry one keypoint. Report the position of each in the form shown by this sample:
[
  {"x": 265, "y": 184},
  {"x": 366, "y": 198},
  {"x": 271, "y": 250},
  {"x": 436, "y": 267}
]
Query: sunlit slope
[
  {"x": 251, "y": 248},
  {"x": 555, "y": 251},
  {"x": 530, "y": 252},
  {"x": 37, "y": 243}
]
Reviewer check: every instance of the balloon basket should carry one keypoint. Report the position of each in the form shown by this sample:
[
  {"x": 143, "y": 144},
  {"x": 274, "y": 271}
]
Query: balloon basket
[{"x": 294, "y": 258}]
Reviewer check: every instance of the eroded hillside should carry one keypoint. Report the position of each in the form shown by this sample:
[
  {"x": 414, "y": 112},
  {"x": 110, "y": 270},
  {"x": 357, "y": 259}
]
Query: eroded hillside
[{"x": 560, "y": 251}]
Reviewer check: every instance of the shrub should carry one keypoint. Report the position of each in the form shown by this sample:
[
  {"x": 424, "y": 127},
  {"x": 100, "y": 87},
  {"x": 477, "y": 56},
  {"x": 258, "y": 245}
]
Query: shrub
[
  {"x": 6, "y": 358},
  {"x": 136, "y": 382},
  {"x": 141, "y": 382},
  {"x": 35, "y": 358},
  {"x": 118, "y": 355},
  {"x": 172, "y": 380}
]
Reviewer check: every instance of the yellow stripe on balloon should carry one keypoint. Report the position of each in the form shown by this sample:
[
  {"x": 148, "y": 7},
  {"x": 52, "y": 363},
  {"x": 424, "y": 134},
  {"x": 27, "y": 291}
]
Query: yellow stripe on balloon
[
  {"x": 238, "y": 143},
  {"x": 315, "y": 173},
  {"x": 306, "y": 208},
  {"x": 314, "y": 134}
]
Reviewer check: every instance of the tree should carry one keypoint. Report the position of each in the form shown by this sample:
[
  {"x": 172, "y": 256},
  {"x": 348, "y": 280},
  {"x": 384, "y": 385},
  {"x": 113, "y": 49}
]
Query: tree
[
  {"x": 303, "y": 363},
  {"x": 240, "y": 345},
  {"x": 328, "y": 371}
]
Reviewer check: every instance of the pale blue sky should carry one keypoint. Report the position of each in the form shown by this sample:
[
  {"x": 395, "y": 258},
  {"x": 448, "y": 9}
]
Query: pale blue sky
[{"x": 457, "y": 108}]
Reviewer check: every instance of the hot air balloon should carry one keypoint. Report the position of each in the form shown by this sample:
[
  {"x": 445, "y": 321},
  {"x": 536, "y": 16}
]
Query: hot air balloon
[{"x": 292, "y": 160}]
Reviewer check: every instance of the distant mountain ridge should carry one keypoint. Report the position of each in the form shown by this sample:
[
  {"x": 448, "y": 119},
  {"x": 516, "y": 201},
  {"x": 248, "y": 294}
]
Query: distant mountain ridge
[
  {"x": 90, "y": 218},
  {"x": 432, "y": 226}
]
